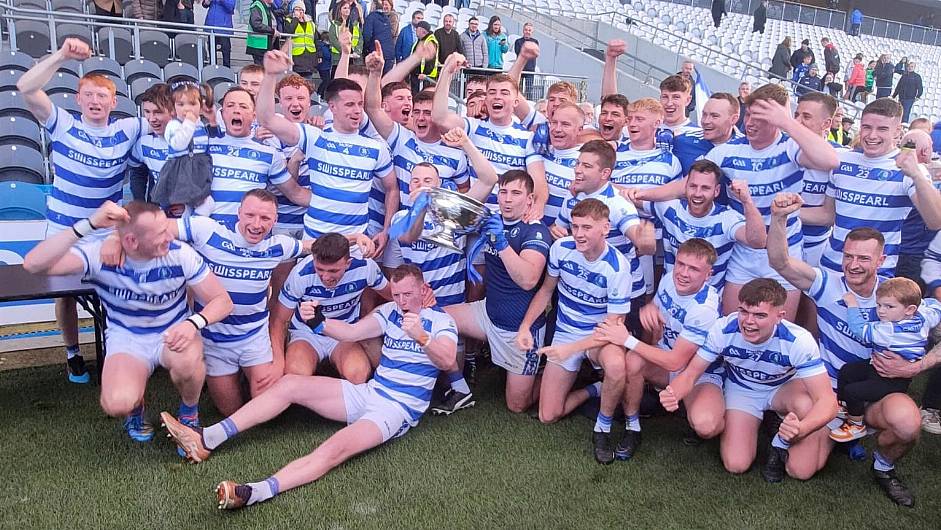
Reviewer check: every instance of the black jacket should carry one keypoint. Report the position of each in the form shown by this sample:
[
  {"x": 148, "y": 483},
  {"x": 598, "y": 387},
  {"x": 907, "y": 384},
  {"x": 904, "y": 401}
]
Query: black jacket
[
  {"x": 761, "y": 16},
  {"x": 798, "y": 56},
  {"x": 781, "y": 63},
  {"x": 882, "y": 75},
  {"x": 909, "y": 87},
  {"x": 831, "y": 59}
]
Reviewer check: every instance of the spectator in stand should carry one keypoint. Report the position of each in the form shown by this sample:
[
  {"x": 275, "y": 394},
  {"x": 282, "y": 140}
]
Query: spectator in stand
[
  {"x": 303, "y": 33},
  {"x": 856, "y": 20},
  {"x": 449, "y": 40},
  {"x": 900, "y": 66},
  {"x": 496, "y": 43},
  {"x": 761, "y": 17},
  {"x": 427, "y": 69},
  {"x": 688, "y": 71},
  {"x": 810, "y": 82},
  {"x": 781, "y": 62},
  {"x": 830, "y": 86},
  {"x": 378, "y": 28},
  {"x": 797, "y": 58},
  {"x": 744, "y": 89},
  {"x": 831, "y": 56},
  {"x": 908, "y": 90},
  {"x": 408, "y": 37},
  {"x": 261, "y": 21},
  {"x": 109, "y": 8},
  {"x": 148, "y": 9},
  {"x": 527, "y": 79},
  {"x": 718, "y": 10},
  {"x": 325, "y": 68},
  {"x": 923, "y": 124},
  {"x": 474, "y": 45},
  {"x": 342, "y": 17},
  {"x": 219, "y": 15},
  {"x": 856, "y": 83},
  {"x": 936, "y": 138},
  {"x": 870, "y": 81},
  {"x": 846, "y": 129},
  {"x": 882, "y": 76},
  {"x": 802, "y": 69}
]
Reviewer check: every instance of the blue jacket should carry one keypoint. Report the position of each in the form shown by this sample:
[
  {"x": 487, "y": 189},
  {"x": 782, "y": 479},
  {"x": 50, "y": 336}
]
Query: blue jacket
[
  {"x": 378, "y": 27},
  {"x": 856, "y": 17},
  {"x": 326, "y": 59},
  {"x": 936, "y": 137},
  {"x": 405, "y": 42},
  {"x": 220, "y": 15},
  {"x": 496, "y": 46}
]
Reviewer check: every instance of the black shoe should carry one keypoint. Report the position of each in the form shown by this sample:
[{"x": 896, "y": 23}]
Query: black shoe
[
  {"x": 453, "y": 402},
  {"x": 691, "y": 439},
  {"x": 774, "y": 469},
  {"x": 601, "y": 445},
  {"x": 893, "y": 488},
  {"x": 628, "y": 445},
  {"x": 77, "y": 371}
]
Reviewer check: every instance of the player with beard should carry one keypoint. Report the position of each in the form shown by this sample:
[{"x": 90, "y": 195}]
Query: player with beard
[
  {"x": 719, "y": 115},
  {"x": 561, "y": 157}
]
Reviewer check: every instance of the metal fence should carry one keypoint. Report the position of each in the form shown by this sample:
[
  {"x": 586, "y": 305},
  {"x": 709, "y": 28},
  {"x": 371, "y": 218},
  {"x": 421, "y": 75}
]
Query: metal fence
[{"x": 533, "y": 85}]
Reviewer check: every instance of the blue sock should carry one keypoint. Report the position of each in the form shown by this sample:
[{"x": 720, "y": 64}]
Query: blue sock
[
  {"x": 138, "y": 411},
  {"x": 262, "y": 491},
  {"x": 780, "y": 443},
  {"x": 880, "y": 463},
  {"x": 603, "y": 423},
  {"x": 72, "y": 351},
  {"x": 188, "y": 410},
  {"x": 458, "y": 384},
  {"x": 594, "y": 389},
  {"x": 214, "y": 435},
  {"x": 632, "y": 422}
]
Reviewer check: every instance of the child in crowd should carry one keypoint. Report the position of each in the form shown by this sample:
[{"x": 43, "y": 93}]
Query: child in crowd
[{"x": 905, "y": 320}]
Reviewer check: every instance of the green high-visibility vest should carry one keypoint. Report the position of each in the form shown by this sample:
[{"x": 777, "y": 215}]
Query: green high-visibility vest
[
  {"x": 303, "y": 39},
  {"x": 354, "y": 41},
  {"x": 258, "y": 41},
  {"x": 421, "y": 68}
]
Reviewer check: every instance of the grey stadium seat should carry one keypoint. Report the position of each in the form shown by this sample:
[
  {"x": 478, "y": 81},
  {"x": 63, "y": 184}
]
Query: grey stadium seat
[
  {"x": 155, "y": 46},
  {"x": 125, "y": 108},
  {"x": 20, "y": 131},
  {"x": 8, "y": 79},
  {"x": 13, "y": 104},
  {"x": 180, "y": 69},
  {"x": 21, "y": 163},
  {"x": 67, "y": 6},
  {"x": 119, "y": 85},
  {"x": 66, "y": 102},
  {"x": 62, "y": 82},
  {"x": 31, "y": 4},
  {"x": 72, "y": 31},
  {"x": 123, "y": 47},
  {"x": 102, "y": 65},
  {"x": 16, "y": 61},
  {"x": 32, "y": 37},
  {"x": 140, "y": 85},
  {"x": 186, "y": 48},
  {"x": 216, "y": 73},
  {"x": 220, "y": 89},
  {"x": 141, "y": 68},
  {"x": 73, "y": 67}
]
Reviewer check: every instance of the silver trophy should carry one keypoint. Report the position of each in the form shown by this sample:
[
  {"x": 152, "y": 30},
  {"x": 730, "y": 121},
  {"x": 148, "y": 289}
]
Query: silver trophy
[{"x": 454, "y": 215}]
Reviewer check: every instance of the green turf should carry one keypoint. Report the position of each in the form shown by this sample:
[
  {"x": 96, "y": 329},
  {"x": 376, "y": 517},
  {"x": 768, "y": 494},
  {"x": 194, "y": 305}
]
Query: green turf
[{"x": 65, "y": 465}]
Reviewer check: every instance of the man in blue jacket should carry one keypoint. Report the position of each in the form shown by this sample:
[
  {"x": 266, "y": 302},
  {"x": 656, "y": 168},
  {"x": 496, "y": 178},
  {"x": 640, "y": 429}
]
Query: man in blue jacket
[
  {"x": 407, "y": 37},
  {"x": 220, "y": 15},
  {"x": 856, "y": 20}
]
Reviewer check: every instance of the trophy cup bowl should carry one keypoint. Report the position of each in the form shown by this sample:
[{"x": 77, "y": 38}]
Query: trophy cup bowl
[{"x": 454, "y": 215}]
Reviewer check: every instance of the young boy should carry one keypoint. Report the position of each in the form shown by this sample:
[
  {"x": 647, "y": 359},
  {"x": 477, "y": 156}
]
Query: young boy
[{"x": 903, "y": 326}]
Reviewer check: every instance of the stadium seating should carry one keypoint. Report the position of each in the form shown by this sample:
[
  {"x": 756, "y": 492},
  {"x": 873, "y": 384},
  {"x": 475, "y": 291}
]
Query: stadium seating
[
  {"x": 141, "y": 68},
  {"x": 21, "y": 163},
  {"x": 22, "y": 201},
  {"x": 20, "y": 131}
]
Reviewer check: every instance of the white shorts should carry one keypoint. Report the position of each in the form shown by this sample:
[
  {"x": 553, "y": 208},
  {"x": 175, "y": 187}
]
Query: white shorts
[
  {"x": 573, "y": 363},
  {"x": 812, "y": 253},
  {"x": 747, "y": 264},
  {"x": 707, "y": 378},
  {"x": 754, "y": 402},
  {"x": 503, "y": 351},
  {"x": 225, "y": 358},
  {"x": 391, "y": 255},
  {"x": 146, "y": 347},
  {"x": 321, "y": 344},
  {"x": 931, "y": 274},
  {"x": 646, "y": 267},
  {"x": 363, "y": 403},
  {"x": 288, "y": 229}
]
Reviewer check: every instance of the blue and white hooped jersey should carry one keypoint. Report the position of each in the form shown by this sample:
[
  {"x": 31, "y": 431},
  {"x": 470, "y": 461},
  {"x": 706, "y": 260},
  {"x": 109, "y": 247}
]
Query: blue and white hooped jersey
[
  {"x": 290, "y": 215},
  {"x": 622, "y": 216},
  {"x": 718, "y": 228},
  {"x": 869, "y": 192},
  {"x": 686, "y": 316},
  {"x": 588, "y": 290},
  {"x": 144, "y": 297},
  {"x": 366, "y": 128},
  {"x": 691, "y": 146},
  {"x": 908, "y": 338},
  {"x": 242, "y": 268},
  {"x": 790, "y": 352},
  {"x": 506, "y": 147},
  {"x": 152, "y": 151},
  {"x": 813, "y": 195},
  {"x": 405, "y": 375},
  {"x": 560, "y": 172},
  {"x": 685, "y": 127},
  {"x": 239, "y": 165},
  {"x": 199, "y": 140},
  {"x": 507, "y": 302},
  {"x": 341, "y": 302},
  {"x": 644, "y": 169},
  {"x": 768, "y": 172},
  {"x": 88, "y": 163},
  {"x": 538, "y": 123},
  {"x": 443, "y": 268},
  {"x": 342, "y": 170},
  {"x": 929, "y": 274},
  {"x": 838, "y": 346}
]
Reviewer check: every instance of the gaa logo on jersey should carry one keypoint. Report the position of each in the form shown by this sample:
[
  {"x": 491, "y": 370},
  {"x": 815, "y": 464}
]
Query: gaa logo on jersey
[
  {"x": 163, "y": 273},
  {"x": 253, "y": 155}
]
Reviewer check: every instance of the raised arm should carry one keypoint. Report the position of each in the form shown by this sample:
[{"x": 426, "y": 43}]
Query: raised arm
[
  {"x": 815, "y": 151},
  {"x": 441, "y": 115},
  {"x": 32, "y": 83},
  {"x": 609, "y": 76},
  {"x": 823, "y": 215},
  {"x": 377, "y": 116},
  {"x": 401, "y": 70},
  {"x": 795, "y": 271},
  {"x": 927, "y": 199},
  {"x": 52, "y": 256},
  {"x": 276, "y": 63},
  {"x": 754, "y": 234},
  {"x": 295, "y": 192},
  {"x": 486, "y": 175}
]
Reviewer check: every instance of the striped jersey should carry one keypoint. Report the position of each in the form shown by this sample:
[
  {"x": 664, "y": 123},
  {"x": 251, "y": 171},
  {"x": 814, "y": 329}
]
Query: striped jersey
[
  {"x": 622, "y": 216},
  {"x": 443, "y": 268},
  {"x": 686, "y": 316},
  {"x": 366, "y": 128},
  {"x": 176, "y": 132},
  {"x": 342, "y": 170},
  {"x": 239, "y": 165},
  {"x": 290, "y": 215},
  {"x": 405, "y": 375},
  {"x": 930, "y": 272},
  {"x": 813, "y": 195},
  {"x": 718, "y": 227},
  {"x": 790, "y": 352},
  {"x": 144, "y": 297},
  {"x": 152, "y": 151},
  {"x": 691, "y": 146},
  {"x": 88, "y": 163},
  {"x": 838, "y": 345},
  {"x": 869, "y": 192},
  {"x": 588, "y": 290},
  {"x": 506, "y": 147},
  {"x": 644, "y": 169},
  {"x": 560, "y": 172},
  {"x": 341, "y": 302},
  {"x": 242, "y": 268},
  {"x": 507, "y": 302},
  {"x": 907, "y": 338}
]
